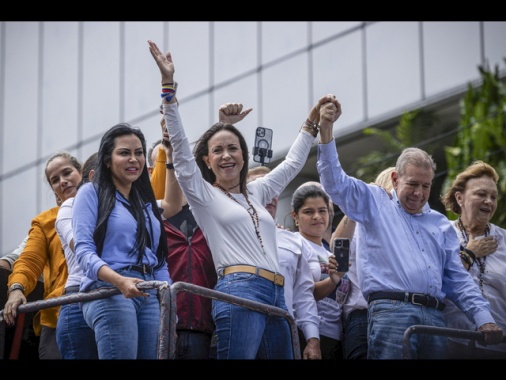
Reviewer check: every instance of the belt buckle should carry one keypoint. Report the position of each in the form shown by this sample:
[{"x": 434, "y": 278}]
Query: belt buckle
[
  {"x": 418, "y": 303},
  {"x": 144, "y": 269}
]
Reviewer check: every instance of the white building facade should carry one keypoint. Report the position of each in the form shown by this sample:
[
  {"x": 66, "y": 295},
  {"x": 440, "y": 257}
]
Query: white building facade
[{"x": 63, "y": 84}]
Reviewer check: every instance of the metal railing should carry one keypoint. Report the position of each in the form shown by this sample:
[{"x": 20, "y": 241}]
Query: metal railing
[
  {"x": 168, "y": 316},
  {"x": 214, "y": 294},
  {"x": 440, "y": 331},
  {"x": 168, "y": 308}
]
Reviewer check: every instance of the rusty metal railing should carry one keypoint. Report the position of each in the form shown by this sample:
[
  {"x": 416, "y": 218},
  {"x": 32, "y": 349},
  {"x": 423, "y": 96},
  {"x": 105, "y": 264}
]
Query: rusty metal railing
[
  {"x": 64, "y": 300},
  {"x": 168, "y": 308},
  {"x": 214, "y": 294},
  {"x": 440, "y": 331}
]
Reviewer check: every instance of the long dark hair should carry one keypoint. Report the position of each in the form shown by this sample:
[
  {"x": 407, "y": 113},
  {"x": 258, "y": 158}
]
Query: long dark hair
[
  {"x": 202, "y": 150},
  {"x": 141, "y": 193}
]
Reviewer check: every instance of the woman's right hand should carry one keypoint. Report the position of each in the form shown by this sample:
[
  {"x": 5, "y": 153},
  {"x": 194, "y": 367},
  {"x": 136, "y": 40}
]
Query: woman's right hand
[
  {"x": 128, "y": 287},
  {"x": 482, "y": 247},
  {"x": 10, "y": 311}
]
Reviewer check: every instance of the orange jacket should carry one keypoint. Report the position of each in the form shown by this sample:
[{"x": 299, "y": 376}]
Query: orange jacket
[
  {"x": 43, "y": 254},
  {"x": 158, "y": 175}
]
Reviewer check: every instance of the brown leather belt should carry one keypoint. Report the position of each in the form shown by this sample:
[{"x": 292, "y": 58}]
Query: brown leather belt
[{"x": 276, "y": 278}]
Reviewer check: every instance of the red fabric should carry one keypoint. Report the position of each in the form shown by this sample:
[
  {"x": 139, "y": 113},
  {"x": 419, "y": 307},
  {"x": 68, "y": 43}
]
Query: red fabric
[{"x": 192, "y": 262}]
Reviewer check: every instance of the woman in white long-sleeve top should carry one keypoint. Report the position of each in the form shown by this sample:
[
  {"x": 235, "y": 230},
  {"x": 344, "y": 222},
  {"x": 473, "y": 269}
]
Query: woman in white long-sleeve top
[{"x": 239, "y": 230}]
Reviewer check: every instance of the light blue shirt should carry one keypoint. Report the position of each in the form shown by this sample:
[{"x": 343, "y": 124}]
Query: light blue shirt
[
  {"x": 119, "y": 238},
  {"x": 399, "y": 251}
]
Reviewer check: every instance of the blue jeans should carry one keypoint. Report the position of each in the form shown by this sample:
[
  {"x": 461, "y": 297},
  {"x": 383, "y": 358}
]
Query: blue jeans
[
  {"x": 389, "y": 319},
  {"x": 355, "y": 335},
  {"x": 125, "y": 328},
  {"x": 247, "y": 334},
  {"x": 75, "y": 339},
  {"x": 193, "y": 344}
]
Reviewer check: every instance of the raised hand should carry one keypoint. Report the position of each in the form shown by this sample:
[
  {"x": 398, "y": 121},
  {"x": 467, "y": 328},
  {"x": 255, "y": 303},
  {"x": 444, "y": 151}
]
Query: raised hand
[
  {"x": 166, "y": 145},
  {"x": 231, "y": 113},
  {"x": 330, "y": 111},
  {"x": 164, "y": 62}
]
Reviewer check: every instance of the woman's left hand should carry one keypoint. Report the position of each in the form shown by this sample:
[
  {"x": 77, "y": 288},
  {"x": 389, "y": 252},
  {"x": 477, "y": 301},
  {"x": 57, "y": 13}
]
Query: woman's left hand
[
  {"x": 334, "y": 273},
  {"x": 231, "y": 113}
]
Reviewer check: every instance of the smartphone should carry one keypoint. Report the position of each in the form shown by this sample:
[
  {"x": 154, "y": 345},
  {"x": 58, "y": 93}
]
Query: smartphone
[
  {"x": 262, "y": 152},
  {"x": 342, "y": 254}
]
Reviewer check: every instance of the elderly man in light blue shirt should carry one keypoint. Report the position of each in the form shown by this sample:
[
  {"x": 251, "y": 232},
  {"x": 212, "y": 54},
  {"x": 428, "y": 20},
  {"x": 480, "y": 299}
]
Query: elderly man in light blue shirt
[{"x": 409, "y": 254}]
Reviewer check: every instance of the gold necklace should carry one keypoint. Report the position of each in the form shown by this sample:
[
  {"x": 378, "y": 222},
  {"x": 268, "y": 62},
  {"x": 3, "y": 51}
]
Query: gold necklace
[{"x": 252, "y": 212}]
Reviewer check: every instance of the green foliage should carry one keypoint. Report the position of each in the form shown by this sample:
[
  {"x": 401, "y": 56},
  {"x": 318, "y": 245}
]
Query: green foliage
[
  {"x": 481, "y": 134},
  {"x": 414, "y": 127}
]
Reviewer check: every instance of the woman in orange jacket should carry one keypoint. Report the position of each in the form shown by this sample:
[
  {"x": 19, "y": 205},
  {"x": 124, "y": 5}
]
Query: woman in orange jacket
[{"x": 43, "y": 254}]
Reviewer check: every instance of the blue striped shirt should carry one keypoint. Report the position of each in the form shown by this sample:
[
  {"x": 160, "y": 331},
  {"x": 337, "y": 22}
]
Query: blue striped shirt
[{"x": 398, "y": 251}]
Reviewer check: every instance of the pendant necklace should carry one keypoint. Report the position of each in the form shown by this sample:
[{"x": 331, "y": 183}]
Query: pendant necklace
[
  {"x": 252, "y": 212},
  {"x": 481, "y": 261}
]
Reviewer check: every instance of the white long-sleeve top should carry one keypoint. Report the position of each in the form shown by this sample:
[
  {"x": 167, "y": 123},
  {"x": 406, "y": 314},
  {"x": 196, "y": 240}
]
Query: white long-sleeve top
[
  {"x": 493, "y": 289},
  {"x": 226, "y": 225},
  {"x": 355, "y": 299},
  {"x": 299, "y": 284},
  {"x": 63, "y": 225}
]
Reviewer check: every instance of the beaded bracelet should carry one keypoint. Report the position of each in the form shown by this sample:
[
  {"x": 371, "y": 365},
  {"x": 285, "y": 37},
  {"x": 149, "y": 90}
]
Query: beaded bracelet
[
  {"x": 470, "y": 253},
  {"x": 314, "y": 128},
  {"x": 467, "y": 259},
  {"x": 169, "y": 91}
]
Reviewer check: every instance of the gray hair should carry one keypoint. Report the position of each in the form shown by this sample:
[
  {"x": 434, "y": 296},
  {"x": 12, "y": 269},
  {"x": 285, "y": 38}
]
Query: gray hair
[{"x": 415, "y": 157}]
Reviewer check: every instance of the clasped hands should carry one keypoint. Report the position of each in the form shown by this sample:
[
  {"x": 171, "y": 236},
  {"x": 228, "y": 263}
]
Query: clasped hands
[{"x": 326, "y": 111}]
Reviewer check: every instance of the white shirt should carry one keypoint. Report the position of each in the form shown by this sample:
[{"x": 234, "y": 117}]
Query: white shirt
[
  {"x": 494, "y": 289},
  {"x": 355, "y": 299},
  {"x": 63, "y": 225},
  {"x": 299, "y": 284},
  {"x": 226, "y": 225},
  {"x": 329, "y": 309}
]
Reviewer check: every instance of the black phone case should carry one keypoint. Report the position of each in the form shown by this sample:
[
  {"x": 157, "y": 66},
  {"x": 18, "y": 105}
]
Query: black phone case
[{"x": 342, "y": 254}]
